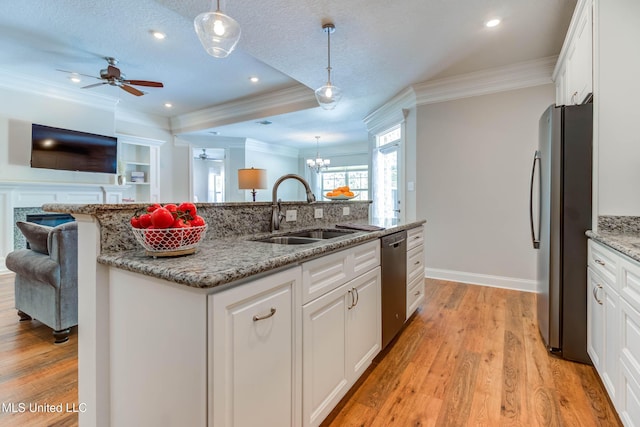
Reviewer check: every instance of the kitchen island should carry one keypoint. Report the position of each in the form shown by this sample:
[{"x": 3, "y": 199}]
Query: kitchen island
[
  {"x": 166, "y": 341},
  {"x": 613, "y": 311}
]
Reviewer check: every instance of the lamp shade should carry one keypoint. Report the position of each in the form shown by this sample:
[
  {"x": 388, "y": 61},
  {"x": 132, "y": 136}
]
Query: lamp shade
[{"x": 251, "y": 179}]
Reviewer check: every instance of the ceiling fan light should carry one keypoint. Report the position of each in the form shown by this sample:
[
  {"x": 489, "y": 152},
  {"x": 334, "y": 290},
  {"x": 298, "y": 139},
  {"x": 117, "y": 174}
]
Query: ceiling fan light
[
  {"x": 328, "y": 96},
  {"x": 218, "y": 33}
]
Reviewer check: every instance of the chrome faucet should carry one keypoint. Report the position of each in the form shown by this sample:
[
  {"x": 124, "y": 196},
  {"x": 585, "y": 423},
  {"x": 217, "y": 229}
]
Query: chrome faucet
[{"x": 276, "y": 214}]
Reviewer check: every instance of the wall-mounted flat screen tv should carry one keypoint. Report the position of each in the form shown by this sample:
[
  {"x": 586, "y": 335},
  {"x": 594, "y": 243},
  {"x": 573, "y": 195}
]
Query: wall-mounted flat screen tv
[{"x": 54, "y": 148}]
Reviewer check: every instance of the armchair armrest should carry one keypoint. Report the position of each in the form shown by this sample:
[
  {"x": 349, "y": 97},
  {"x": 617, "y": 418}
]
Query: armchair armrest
[{"x": 63, "y": 249}]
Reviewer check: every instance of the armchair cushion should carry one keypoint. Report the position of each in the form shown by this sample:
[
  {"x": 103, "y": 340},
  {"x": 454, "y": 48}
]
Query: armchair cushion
[{"x": 37, "y": 235}]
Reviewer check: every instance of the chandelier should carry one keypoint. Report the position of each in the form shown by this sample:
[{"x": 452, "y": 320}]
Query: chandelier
[
  {"x": 218, "y": 33},
  {"x": 328, "y": 95},
  {"x": 318, "y": 163}
]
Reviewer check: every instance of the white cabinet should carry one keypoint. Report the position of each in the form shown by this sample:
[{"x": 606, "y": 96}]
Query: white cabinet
[
  {"x": 415, "y": 269},
  {"x": 341, "y": 324},
  {"x": 139, "y": 163},
  {"x": 603, "y": 309},
  {"x": 342, "y": 333},
  {"x": 613, "y": 316},
  {"x": 253, "y": 353},
  {"x": 574, "y": 72}
]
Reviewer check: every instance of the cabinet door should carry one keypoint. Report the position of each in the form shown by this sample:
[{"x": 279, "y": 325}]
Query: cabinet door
[
  {"x": 364, "y": 324},
  {"x": 579, "y": 59},
  {"x": 324, "y": 339},
  {"x": 595, "y": 319},
  {"x": 252, "y": 353}
]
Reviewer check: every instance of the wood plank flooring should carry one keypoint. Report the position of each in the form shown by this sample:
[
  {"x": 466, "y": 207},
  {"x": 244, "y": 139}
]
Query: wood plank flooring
[
  {"x": 472, "y": 356},
  {"x": 34, "y": 371}
]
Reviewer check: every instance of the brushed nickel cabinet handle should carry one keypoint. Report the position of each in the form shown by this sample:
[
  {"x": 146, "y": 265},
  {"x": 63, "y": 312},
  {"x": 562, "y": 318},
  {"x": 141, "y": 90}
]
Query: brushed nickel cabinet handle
[
  {"x": 416, "y": 294},
  {"x": 355, "y": 292},
  {"x": 595, "y": 293},
  {"x": 257, "y": 318},
  {"x": 416, "y": 263},
  {"x": 597, "y": 261},
  {"x": 351, "y": 303}
]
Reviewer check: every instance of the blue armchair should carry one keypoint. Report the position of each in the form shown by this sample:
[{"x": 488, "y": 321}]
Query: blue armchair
[{"x": 46, "y": 282}]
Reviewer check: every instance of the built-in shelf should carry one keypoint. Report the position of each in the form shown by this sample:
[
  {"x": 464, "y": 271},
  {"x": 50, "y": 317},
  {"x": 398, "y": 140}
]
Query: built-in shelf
[{"x": 140, "y": 156}]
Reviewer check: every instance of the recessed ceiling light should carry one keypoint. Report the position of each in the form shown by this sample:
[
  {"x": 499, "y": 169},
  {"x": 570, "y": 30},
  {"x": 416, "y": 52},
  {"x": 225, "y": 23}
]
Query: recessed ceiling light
[
  {"x": 75, "y": 78},
  {"x": 254, "y": 79},
  {"x": 168, "y": 104},
  {"x": 159, "y": 35},
  {"x": 492, "y": 23}
]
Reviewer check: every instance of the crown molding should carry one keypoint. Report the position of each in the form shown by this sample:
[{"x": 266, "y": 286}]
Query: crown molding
[
  {"x": 515, "y": 76},
  {"x": 20, "y": 83},
  {"x": 282, "y": 101},
  {"x": 392, "y": 112}
]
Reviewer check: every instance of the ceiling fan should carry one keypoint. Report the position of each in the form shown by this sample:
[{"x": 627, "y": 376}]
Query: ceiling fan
[
  {"x": 112, "y": 76},
  {"x": 204, "y": 155}
]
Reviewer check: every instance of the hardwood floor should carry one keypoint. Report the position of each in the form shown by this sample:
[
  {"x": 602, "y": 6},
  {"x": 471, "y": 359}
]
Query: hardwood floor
[
  {"x": 34, "y": 371},
  {"x": 472, "y": 356}
]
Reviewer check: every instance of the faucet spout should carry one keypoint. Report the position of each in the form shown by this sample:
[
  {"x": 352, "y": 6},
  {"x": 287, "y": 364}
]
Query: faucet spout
[{"x": 276, "y": 212}]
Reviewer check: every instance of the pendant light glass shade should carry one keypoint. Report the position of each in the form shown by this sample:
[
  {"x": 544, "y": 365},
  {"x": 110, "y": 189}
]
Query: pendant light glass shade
[
  {"x": 218, "y": 33},
  {"x": 328, "y": 95}
]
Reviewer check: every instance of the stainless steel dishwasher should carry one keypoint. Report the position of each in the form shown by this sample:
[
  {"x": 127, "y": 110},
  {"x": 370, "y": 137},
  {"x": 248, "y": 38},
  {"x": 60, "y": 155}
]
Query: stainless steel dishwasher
[{"x": 394, "y": 284}]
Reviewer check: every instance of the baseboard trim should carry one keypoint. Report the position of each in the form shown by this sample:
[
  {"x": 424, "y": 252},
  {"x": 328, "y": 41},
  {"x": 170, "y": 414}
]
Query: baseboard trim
[{"x": 481, "y": 279}]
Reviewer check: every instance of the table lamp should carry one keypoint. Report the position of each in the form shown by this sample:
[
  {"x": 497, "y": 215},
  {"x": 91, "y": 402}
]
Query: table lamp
[{"x": 252, "y": 179}]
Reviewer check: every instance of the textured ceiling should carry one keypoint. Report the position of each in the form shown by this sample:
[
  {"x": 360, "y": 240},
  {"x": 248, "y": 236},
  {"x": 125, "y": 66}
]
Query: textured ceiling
[{"x": 378, "y": 49}]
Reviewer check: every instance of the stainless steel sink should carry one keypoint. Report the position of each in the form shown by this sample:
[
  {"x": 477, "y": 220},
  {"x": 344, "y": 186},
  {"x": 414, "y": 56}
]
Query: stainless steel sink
[
  {"x": 306, "y": 237},
  {"x": 322, "y": 233},
  {"x": 288, "y": 240}
]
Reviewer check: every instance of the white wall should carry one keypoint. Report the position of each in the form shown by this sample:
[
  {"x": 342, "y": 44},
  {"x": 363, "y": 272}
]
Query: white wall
[
  {"x": 278, "y": 161},
  {"x": 473, "y": 164},
  {"x": 19, "y": 109},
  {"x": 616, "y": 111}
]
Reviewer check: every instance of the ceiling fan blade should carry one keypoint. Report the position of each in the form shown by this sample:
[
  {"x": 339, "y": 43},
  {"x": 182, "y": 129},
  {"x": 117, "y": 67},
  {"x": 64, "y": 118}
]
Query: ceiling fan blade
[
  {"x": 113, "y": 71},
  {"x": 143, "y": 83},
  {"x": 132, "y": 90},
  {"x": 94, "y": 85},
  {"x": 80, "y": 74}
]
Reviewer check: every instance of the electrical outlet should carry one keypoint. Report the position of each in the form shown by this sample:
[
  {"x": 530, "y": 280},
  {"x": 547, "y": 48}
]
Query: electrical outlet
[
  {"x": 317, "y": 213},
  {"x": 292, "y": 215},
  {"x": 345, "y": 211}
]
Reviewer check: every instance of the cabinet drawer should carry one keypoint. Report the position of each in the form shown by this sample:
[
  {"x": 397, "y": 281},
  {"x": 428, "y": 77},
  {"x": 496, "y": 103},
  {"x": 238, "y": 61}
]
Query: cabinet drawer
[
  {"x": 415, "y": 237},
  {"x": 415, "y": 296},
  {"x": 603, "y": 260},
  {"x": 415, "y": 264},
  {"x": 324, "y": 274},
  {"x": 321, "y": 275},
  {"x": 366, "y": 257}
]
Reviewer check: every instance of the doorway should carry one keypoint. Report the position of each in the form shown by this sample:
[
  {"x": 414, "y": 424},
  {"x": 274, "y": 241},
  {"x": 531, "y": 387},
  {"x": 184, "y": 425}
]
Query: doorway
[
  {"x": 208, "y": 175},
  {"x": 386, "y": 172}
]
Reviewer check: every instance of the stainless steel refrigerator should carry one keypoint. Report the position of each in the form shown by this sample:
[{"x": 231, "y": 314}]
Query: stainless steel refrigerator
[{"x": 560, "y": 213}]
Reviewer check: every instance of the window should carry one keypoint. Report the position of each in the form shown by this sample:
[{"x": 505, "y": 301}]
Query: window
[
  {"x": 386, "y": 161},
  {"x": 356, "y": 177}
]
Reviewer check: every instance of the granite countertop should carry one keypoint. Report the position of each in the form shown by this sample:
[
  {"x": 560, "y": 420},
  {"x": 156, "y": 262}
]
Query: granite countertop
[
  {"x": 619, "y": 233},
  {"x": 620, "y": 241},
  {"x": 222, "y": 261}
]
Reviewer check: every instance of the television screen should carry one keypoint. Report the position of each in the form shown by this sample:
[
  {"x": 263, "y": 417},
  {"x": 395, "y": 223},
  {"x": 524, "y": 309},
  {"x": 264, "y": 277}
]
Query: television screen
[{"x": 54, "y": 148}]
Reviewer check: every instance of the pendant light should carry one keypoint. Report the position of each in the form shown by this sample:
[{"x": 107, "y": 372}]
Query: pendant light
[
  {"x": 328, "y": 95},
  {"x": 218, "y": 33},
  {"x": 318, "y": 163}
]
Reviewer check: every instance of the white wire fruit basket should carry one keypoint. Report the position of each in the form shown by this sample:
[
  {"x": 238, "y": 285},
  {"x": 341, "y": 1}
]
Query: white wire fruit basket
[{"x": 159, "y": 242}]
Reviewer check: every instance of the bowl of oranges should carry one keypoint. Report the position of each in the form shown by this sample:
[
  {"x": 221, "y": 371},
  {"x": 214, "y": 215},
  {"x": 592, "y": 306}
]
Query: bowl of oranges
[{"x": 340, "y": 193}]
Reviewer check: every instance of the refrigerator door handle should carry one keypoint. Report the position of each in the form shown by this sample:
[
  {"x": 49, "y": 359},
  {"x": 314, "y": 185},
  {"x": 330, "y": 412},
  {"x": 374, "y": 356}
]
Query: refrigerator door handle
[{"x": 535, "y": 241}]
